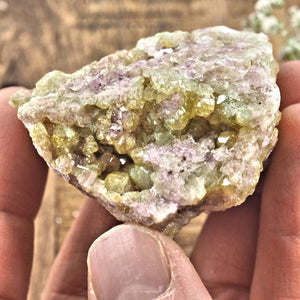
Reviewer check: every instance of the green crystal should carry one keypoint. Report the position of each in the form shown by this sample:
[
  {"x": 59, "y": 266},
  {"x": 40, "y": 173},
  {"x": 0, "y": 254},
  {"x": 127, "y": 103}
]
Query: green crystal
[{"x": 141, "y": 176}]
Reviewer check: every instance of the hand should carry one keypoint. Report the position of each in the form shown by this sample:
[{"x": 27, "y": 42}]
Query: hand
[
  {"x": 22, "y": 180},
  {"x": 251, "y": 251}
]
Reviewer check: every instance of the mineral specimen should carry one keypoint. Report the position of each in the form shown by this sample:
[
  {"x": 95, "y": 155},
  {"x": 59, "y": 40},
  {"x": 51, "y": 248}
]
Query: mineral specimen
[{"x": 180, "y": 124}]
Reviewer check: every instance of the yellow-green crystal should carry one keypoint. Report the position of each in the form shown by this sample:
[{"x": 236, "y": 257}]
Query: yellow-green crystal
[
  {"x": 226, "y": 138},
  {"x": 179, "y": 124},
  {"x": 64, "y": 138},
  {"x": 90, "y": 146},
  {"x": 64, "y": 164},
  {"x": 118, "y": 182},
  {"x": 40, "y": 136}
]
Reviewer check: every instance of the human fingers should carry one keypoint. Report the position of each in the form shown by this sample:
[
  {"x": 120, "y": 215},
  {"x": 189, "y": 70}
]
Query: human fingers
[
  {"x": 134, "y": 262},
  {"x": 288, "y": 80},
  {"x": 224, "y": 254},
  {"x": 22, "y": 180},
  {"x": 277, "y": 268},
  {"x": 68, "y": 277}
]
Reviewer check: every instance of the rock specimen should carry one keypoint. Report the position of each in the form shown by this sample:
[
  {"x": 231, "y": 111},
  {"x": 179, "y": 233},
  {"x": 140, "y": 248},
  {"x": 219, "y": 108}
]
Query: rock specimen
[{"x": 180, "y": 124}]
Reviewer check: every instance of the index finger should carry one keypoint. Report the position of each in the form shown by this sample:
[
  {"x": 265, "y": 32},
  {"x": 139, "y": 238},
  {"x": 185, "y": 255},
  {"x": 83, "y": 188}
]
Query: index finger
[{"x": 22, "y": 179}]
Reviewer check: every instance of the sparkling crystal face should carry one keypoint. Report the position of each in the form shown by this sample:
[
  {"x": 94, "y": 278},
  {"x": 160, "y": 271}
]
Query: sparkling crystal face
[{"x": 182, "y": 120}]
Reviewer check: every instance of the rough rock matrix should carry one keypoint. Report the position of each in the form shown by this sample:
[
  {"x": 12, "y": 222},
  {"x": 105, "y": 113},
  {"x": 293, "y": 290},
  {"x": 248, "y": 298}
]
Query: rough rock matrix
[{"x": 180, "y": 124}]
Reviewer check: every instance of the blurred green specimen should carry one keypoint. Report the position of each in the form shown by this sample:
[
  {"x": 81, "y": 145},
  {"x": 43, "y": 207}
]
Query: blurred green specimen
[{"x": 280, "y": 23}]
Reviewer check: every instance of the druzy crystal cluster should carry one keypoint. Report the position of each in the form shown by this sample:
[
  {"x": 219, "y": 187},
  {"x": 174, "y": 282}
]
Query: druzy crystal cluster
[{"x": 180, "y": 124}]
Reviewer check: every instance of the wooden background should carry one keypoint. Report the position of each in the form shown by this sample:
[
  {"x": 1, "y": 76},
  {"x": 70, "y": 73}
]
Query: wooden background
[{"x": 39, "y": 36}]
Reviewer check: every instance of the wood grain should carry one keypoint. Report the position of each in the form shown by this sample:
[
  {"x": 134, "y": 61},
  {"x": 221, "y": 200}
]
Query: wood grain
[{"x": 39, "y": 36}]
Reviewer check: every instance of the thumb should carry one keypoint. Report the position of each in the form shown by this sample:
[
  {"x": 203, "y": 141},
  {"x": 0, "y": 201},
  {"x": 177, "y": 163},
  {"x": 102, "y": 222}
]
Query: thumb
[{"x": 132, "y": 262}]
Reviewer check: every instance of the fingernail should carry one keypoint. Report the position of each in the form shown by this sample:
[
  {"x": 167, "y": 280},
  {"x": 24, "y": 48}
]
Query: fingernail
[{"x": 128, "y": 262}]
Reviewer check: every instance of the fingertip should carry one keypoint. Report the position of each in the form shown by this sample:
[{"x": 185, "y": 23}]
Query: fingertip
[
  {"x": 289, "y": 126},
  {"x": 150, "y": 256},
  {"x": 288, "y": 80},
  {"x": 288, "y": 140},
  {"x": 8, "y": 91},
  {"x": 9, "y": 119},
  {"x": 22, "y": 171},
  {"x": 139, "y": 257}
]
